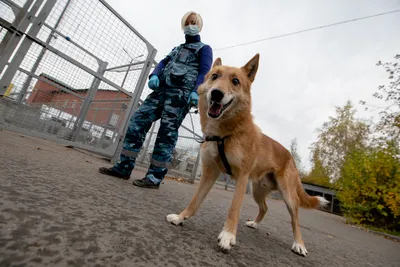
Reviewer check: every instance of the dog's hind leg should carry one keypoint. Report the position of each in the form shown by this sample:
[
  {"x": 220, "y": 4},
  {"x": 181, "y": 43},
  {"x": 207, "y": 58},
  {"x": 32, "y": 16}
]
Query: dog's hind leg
[
  {"x": 260, "y": 193},
  {"x": 207, "y": 180},
  {"x": 289, "y": 194}
]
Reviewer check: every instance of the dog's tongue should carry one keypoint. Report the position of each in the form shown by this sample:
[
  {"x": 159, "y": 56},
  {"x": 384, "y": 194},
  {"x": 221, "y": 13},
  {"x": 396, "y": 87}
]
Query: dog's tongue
[{"x": 215, "y": 109}]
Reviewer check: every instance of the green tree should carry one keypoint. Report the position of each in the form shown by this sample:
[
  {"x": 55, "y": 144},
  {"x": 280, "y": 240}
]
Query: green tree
[
  {"x": 389, "y": 124},
  {"x": 294, "y": 150},
  {"x": 317, "y": 175},
  {"x": 369, "y": 188},
  {"x": 337, "y": 137}
]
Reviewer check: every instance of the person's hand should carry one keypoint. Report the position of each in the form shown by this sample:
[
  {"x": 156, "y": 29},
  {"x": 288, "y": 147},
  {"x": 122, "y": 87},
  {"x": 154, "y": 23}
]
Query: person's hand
[
  {"x": 154, "y": 82},
  {"x": 193, "y": 99}
]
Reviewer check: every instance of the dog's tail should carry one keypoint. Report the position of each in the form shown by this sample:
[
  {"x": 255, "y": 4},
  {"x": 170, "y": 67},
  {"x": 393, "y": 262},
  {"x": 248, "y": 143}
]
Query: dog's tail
[{"x": 307, "y": 201}]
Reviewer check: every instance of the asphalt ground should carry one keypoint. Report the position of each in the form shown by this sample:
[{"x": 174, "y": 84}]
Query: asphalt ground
[{"x": 57, "y": 210}]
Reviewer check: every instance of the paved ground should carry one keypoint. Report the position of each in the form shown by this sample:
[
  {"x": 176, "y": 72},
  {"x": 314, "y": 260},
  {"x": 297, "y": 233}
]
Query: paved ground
[{"x": 56, "y": 210}]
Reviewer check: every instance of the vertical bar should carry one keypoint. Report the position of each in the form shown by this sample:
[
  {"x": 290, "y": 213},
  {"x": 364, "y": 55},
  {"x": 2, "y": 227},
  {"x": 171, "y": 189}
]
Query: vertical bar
[
  {"x": 26, "y": 44},
  {"x": 127, "y": 72},
  {"x": 87, "y": 102},
  {"x": 248, "y": 189},
  {"x": 227, "y": 181},
  {"x": 196, "y": 166},
  {"x": 40, "y": 56},
  {"x": 146, "y": 146},
  {"x": 11, "y": 39},
  {"x": 135, "y": 99}
]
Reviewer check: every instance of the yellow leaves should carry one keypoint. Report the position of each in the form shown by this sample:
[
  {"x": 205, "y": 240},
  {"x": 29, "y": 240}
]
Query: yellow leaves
[{"x": 370, "y": 188}]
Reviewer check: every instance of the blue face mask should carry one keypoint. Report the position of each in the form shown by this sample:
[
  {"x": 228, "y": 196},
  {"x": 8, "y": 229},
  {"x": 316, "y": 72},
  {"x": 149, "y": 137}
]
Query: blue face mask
[{"x": 191, "y": 30}]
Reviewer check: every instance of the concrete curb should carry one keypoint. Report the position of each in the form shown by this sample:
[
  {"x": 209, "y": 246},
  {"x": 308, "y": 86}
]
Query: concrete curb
[{"x": 383, "y": 234}]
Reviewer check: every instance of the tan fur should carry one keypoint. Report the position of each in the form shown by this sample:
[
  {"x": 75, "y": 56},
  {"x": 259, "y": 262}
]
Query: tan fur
[{"x": 252, "y": 155}]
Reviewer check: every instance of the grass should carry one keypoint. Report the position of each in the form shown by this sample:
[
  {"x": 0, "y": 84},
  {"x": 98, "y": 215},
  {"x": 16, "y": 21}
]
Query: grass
[
  {"x": 386, "y": 231},
  {"x": 381, "y": 231}
]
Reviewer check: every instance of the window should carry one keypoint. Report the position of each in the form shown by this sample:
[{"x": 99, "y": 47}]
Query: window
[
  {"x": 65, "y": 103},
  {"x": 114, "y": 119}
]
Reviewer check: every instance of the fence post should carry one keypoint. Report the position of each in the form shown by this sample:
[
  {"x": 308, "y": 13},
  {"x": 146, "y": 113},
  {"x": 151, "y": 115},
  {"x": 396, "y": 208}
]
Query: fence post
[
  {"x": 228, "y": 180},
  {"x": 196, "y": 166},
  {"x": 135, "y": 99},
  {"x": 147, "y": 144},
  {"x": 248, "y": 188},
  {"x": 12, "y": 37},
  {"x": 25, "y": 46},
  {"x": 25, "y": 86},
  {"x": 88, "y": 101}
]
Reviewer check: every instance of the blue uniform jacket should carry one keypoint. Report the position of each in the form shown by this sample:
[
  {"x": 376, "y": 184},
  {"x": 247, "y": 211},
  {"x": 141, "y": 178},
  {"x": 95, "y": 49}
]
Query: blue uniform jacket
[{"x": 206, "y": 57}]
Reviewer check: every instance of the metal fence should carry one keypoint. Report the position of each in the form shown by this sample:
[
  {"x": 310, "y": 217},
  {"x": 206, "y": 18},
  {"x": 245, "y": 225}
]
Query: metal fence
[
  {"x": 74, "y": 71},
  {"x": 186, "y": 157}
]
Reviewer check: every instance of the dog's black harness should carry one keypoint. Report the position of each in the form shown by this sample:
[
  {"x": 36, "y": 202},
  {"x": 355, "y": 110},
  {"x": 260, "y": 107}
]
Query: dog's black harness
[{"x": 221, "y": 150}]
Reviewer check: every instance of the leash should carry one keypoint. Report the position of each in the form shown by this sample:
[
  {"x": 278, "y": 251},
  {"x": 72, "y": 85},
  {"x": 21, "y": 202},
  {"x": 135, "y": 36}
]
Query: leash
[
  {"x": 191, "y": 120},
  {"x": 220, "y": 144}
]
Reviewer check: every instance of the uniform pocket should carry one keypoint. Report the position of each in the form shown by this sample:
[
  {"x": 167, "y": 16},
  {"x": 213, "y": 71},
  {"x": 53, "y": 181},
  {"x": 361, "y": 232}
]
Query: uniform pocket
[{"x": 176, "y": 76}]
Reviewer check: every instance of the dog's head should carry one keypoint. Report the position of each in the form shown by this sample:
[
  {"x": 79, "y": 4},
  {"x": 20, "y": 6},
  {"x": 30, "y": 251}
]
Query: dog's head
[{"x": 226, "y": 90}]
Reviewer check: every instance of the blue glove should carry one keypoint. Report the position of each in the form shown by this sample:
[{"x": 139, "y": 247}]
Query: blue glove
[
  {"x": 154, "y": 82},
  {"x": 193, "y": 99}
]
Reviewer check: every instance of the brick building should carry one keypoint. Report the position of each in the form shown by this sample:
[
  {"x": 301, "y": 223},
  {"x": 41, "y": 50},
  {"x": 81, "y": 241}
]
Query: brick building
[{"x": 107, "y": 114}]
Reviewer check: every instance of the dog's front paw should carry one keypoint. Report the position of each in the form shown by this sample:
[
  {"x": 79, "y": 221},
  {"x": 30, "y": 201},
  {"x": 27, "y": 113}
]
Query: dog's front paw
[
  {"x": 226, "y": 240},
  {"x": 252, "y": 224},
  {"x": 299, "y": 249},
  {"x": 175, "y": 219}
]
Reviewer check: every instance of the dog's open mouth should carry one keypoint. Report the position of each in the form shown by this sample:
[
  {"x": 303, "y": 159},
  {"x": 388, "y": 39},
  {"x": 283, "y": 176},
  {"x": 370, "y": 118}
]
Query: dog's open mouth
[{"x": 216, "y": 108}]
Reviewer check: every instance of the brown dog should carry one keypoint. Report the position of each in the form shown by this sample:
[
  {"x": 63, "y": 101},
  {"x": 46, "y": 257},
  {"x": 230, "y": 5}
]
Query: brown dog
[{"x": 225, "y": 115}]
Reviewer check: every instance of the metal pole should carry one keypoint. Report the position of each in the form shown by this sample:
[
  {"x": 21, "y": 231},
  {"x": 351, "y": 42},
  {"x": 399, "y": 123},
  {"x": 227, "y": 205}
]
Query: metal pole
[
  {"x": 248, "y": 188},
  {"x": 146, "y": 146},
  {"x": 135, "y": 99},
  {"x": 40, "y": 56},
  {"x": 113, "y": 102},
  {"x": 122, "y": 85},
  {"x": 130, "y": 65},
  {"x": 126, "y": 74},
  {"x": 227, "y": 181},
  {"x": 196, "y": 166},
  {"x": 116, "y": 68},
  {"x": 12, "y": 38},
  {"x": 87, "y": 102},
  {"x": 25, "y": 46},
  {"x": 149, "y": 46}
]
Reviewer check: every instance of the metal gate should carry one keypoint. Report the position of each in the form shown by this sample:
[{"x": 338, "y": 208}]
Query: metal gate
[
  {"x": 74, "y": 71},
  {"x": 71, "y": 71}
]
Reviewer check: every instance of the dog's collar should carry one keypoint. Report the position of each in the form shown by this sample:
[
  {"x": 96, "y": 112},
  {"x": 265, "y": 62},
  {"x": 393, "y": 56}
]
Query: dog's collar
[{"x": 221, "y": 150}]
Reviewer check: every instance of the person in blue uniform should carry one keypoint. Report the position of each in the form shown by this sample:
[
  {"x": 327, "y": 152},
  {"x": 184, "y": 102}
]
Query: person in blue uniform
[{"x": 174, "y": 82}]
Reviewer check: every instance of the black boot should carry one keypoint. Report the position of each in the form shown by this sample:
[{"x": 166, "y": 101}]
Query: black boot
[
  {"x": 112, "y": 172},
  {"x": 145, "y": 183}
]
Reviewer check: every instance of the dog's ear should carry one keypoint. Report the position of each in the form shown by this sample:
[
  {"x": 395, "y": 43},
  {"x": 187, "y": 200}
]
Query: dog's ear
[
  {"x": 217, "y": 62},
  {"x": 251, "y": 67}
]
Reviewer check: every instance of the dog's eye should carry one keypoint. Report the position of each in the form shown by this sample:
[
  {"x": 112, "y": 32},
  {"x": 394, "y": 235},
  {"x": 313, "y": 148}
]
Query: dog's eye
[
  {"x": 214, "y": 76},
  {"x": 235, "y": 81}
]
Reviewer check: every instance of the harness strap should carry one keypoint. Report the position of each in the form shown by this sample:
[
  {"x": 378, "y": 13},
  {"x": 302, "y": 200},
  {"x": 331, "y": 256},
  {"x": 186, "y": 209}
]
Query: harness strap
[{"x": 221, "y": 150}]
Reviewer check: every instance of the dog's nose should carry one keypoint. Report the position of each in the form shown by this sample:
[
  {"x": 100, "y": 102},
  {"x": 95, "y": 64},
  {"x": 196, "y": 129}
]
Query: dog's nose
[{"x": 217, "y": 95}]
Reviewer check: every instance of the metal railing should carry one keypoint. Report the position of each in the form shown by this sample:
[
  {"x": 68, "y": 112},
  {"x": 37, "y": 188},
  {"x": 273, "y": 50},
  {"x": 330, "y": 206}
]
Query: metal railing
[{"x": 74, "y": 72}]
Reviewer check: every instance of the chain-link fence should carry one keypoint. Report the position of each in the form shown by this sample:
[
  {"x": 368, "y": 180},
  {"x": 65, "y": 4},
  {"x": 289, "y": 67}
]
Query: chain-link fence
[{"x": 74, "y": 71}]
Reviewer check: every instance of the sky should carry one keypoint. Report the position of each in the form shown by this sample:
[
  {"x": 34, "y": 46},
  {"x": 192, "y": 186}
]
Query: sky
[{"x": 301, "y": 78}]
